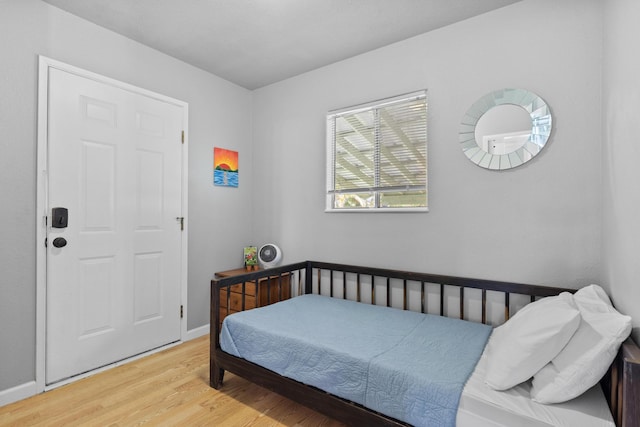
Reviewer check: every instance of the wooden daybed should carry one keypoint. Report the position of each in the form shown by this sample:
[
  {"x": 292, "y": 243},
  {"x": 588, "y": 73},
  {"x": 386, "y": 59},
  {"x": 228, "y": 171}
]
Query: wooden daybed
[{"x": 473, "y": 299}]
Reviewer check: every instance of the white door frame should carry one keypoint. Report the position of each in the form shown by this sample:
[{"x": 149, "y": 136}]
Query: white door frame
[{"x": 45, "y": 64}]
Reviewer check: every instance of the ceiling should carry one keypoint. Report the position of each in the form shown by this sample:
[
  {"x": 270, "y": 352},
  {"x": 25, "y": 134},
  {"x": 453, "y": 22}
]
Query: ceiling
[{"x": 254, "y": 43}]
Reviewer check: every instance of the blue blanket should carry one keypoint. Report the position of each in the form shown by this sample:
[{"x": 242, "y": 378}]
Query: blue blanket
[{"x": 407, "y": 365}]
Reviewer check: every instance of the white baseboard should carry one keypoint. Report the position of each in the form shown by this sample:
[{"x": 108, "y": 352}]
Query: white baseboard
[
  {"x": 18, "y": 392},
  {"x": 197, "y": 332}
]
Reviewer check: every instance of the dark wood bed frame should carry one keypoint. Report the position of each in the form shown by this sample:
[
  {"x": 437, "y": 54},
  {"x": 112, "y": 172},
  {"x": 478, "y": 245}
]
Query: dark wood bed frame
[{"x": 621, "y": 385}]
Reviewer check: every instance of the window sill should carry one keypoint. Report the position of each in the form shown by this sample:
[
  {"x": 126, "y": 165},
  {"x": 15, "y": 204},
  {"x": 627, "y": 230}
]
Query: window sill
[{"x": 378, "y": 210}]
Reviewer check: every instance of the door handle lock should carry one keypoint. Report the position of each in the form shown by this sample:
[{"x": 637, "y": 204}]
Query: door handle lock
[
  {"x": 59, "y": 242},
  {"x": 59, "y": 217}
]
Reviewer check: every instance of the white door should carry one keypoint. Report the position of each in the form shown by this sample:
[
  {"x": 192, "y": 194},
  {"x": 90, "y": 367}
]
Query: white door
[{"x": 114, "y": 162}]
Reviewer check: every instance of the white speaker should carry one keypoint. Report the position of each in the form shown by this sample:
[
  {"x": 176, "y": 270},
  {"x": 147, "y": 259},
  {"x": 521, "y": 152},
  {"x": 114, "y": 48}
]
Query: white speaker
[{"x": 269, "y": 255}]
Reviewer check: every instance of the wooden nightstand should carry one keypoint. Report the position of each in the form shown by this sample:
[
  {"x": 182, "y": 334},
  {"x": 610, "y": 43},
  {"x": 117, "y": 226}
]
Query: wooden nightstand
[{"x": 269, "y": 291}]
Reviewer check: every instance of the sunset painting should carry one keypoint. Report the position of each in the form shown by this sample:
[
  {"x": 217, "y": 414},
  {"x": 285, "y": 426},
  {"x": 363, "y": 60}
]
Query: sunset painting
[{"x": 225, "y": 167}]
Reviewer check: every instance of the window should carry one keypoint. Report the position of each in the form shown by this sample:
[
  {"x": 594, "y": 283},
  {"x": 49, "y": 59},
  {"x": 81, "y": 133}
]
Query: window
[{"x": 377, "y": 156}]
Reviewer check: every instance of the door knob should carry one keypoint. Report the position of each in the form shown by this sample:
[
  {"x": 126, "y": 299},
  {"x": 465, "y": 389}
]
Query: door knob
[{"x": 59, "y": 242}]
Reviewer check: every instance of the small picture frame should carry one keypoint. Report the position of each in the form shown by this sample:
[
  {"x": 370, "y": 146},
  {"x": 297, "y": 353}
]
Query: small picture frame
[
  {"x": 251, "y": 257},
  {"x": 225, "y": 167}
]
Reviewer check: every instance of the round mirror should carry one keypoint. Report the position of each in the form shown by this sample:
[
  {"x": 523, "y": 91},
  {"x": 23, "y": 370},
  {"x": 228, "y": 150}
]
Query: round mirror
[{"x": 505, "y": 129}]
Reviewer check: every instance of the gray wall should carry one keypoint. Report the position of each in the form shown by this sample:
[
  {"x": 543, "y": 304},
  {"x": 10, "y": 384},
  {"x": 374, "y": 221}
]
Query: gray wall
[
  {"x": 539, "y": 223},
  {"x": 621, "y": 151},
  {"x": 220, "y": 115},
  {"x": 551, "y": 221}
]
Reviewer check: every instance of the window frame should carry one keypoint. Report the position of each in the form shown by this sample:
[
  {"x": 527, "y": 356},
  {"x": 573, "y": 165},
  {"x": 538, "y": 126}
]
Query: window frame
[{"x": 377, "y": 190}]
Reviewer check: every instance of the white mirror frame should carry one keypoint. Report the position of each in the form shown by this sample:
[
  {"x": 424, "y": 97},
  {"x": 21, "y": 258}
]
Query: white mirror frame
[{"x": 540, "y": 129}]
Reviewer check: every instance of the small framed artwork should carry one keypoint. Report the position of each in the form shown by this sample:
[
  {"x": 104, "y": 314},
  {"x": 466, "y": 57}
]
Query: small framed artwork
[
  {"x": 225, "y": 167},
  {"x": 251, "y": 257}
]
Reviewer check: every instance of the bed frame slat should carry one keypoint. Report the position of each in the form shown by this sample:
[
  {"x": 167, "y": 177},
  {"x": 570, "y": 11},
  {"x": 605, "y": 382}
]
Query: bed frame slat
[
  {"x": 506, "y": 306},
  {"x": 331, "y": 283},
  {"x": 388, "y": 292},
  {"x": 344, "y": 285},
  {"x": 404, "y": 294},
  {"x": 373, "y": 290},
  {"x": 484, "y": 306}
]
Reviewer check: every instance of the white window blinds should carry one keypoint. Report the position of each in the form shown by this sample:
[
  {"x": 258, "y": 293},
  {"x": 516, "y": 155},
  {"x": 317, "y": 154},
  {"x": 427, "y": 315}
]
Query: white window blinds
[{"x": 377, "y": 155}]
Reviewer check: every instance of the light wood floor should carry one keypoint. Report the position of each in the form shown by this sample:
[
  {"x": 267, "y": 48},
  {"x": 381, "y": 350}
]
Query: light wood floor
[{"x": 170, "y": 388}]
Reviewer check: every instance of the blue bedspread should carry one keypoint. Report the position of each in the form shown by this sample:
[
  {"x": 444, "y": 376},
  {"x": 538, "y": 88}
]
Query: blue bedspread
[{"x": 407, "y": 365}]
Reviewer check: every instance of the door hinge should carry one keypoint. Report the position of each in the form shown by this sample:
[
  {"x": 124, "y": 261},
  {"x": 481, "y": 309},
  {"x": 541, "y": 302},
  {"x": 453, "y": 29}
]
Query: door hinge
[
  {"x": 181, "y": 219},
  {"x": 181, "y": 311},
  {"x": 183, "y": 137}
]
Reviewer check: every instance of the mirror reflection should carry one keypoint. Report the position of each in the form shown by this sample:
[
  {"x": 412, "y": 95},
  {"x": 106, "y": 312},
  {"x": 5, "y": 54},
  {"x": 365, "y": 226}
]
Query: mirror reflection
[{"x": 505, "y": 128}]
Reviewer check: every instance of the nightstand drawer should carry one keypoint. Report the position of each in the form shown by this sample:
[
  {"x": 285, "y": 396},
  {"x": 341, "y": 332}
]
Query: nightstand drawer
[
  {"x": 268, "y": 291},
  {"x": 235, "y": 300},
  {"x": 274, "y": 290},
  {"x": 249, "y": 288}
]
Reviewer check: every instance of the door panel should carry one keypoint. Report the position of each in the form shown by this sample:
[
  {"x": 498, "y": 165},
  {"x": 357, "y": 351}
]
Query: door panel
[
  {"x": 115, "y": 161},
  {"x": 150, "y": 191},
  {"x": 96, "y": 296},
  {"x": 97, "y": 186},
  {"x": 148, "y": 287}
]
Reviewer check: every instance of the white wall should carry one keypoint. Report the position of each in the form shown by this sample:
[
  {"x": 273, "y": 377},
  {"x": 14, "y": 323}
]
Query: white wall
[
  {"x": 220, "y": 115},
  {"x": 539, "y": 223},
  {"x": 621, "y": 151}
]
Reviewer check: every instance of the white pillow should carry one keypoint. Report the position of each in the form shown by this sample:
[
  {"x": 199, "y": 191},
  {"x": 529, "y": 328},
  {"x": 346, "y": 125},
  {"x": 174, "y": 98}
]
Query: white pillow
[
  {"x": 587, "y": 356},
  {"x": 529, "y": 340}
]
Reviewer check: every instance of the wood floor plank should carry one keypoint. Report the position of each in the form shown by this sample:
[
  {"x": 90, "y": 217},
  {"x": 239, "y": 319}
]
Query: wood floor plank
[{"x": 169, "y": 388}]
